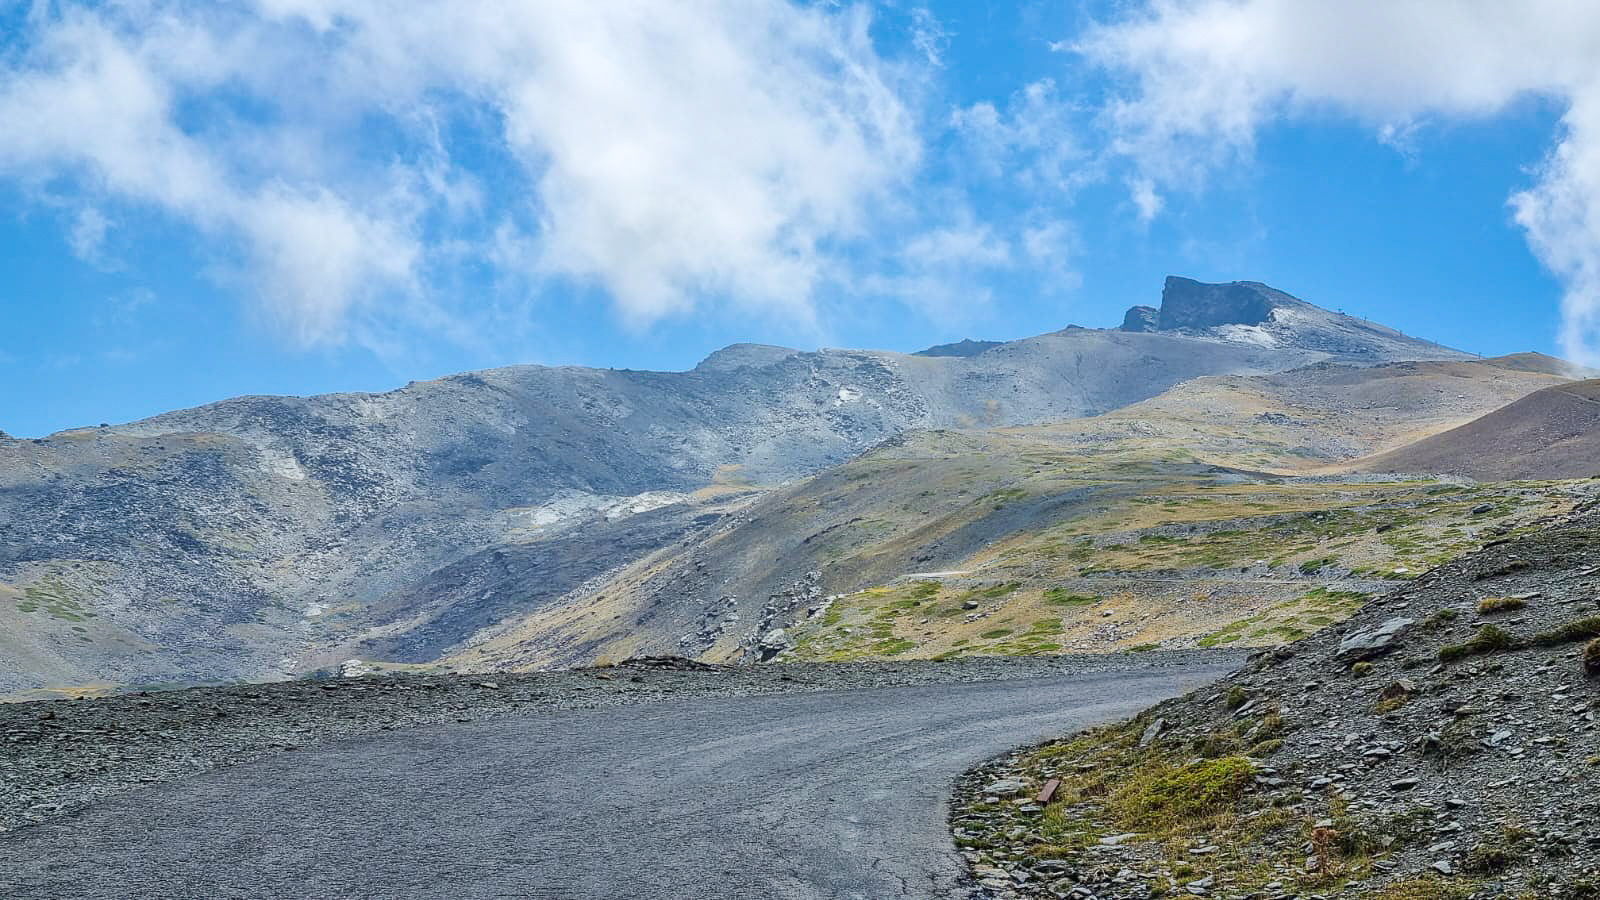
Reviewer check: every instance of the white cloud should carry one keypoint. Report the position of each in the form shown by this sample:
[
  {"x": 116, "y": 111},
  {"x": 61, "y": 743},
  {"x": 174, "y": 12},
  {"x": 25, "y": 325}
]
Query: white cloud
[
  {"x": 1032, "y": 138},
  {"x": 1051, "y": 246},
  {"x": 928, "y": 36},
  {"x": 87, "y": 237},
  {"x": 666, "y": 152},
  {"x": 943, "y": 273},
  {"x": 969, "y": 244},
  {"x": 1204, "y": 76}
]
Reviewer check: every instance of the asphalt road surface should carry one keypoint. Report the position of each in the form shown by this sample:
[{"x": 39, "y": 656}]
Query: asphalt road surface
[{"x": 827, "y": 795}]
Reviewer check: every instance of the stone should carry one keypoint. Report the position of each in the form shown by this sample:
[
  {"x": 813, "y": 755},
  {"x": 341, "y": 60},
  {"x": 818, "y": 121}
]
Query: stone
[
  {"x": 1142, "y": 319},
  {"x": 1373, "y": 641},
  {"x": 1005, "y": 787},
  {"x": 1152, "y": 731}
]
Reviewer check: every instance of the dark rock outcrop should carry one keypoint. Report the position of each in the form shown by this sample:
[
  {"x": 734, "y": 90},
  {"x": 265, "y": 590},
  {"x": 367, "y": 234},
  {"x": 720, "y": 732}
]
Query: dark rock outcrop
[
  {"x": 1142, "y": 318},
  {"x": 1186, "y": 303}
]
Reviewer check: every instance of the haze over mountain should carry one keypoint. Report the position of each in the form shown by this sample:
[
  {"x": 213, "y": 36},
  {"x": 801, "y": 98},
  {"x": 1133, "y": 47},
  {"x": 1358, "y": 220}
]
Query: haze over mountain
[{"x": 263, "y": 536}]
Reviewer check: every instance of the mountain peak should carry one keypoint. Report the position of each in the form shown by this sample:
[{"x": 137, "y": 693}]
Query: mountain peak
[{"x": 1186, "y": 303}]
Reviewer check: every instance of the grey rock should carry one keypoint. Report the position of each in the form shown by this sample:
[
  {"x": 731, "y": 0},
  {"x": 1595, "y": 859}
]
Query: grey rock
[
  {"x": 1152, "y": 731},
  {"x": 1142, "y": 318},
  {"x": 1367, "y": 643}
]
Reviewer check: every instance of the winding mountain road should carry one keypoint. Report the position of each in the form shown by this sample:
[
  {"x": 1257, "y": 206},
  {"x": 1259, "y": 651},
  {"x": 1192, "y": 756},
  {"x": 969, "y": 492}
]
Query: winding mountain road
[{"x": 825, "y": 795}]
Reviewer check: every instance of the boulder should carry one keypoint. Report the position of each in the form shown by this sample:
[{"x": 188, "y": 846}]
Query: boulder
[{"x": 1371, "y": 642}]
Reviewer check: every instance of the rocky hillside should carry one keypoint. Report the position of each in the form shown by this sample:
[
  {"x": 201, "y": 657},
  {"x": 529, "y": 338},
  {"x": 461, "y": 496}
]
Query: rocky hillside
[
  {"x": 1442, "y": 744},
  {"x": 1554, "y": 433},
  {"x": 1203, "y": 513},
  {"x": 267, "y": 535}
]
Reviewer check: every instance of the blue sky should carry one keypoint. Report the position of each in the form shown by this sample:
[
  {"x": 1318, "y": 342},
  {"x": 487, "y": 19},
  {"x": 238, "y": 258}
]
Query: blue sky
[{"x": 302, "y": 196}]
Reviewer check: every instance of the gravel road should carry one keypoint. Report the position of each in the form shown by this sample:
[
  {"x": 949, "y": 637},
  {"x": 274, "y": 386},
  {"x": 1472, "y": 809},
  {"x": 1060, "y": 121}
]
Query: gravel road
[{"x": 831, "y": 794}]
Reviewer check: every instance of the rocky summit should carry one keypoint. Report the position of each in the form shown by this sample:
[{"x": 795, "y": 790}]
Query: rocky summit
[{"x": 263, "y": 537}]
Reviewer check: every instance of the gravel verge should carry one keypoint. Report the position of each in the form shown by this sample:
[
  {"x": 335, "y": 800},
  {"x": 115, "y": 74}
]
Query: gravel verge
[{"x": 58, "y": 756}]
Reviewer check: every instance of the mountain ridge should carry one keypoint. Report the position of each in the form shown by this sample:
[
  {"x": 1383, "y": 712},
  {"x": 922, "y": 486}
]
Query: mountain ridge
[{"x": 254, "y": 536}]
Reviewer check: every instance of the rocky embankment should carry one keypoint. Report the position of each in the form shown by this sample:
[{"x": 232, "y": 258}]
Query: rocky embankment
[
  {"x": 58, "y": 756},
  {"x": 1440, "y": 745}
]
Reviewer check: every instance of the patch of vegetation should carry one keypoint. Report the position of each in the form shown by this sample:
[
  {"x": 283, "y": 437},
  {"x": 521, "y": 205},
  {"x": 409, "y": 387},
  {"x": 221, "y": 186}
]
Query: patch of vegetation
[
  {"x": 995, "y": 633},
  {"x": 1490, "y": 605},
  {"x": 1236, "y": 697},
  {"x": 1229, "y": 633},
  {"x": 993, "y": 591},
  {"x": 58, "y": 598},
  {"x": 1441, "y": 618},
  {"x": 1001, "y": 499},
  {"x": 1499, "y": 852},
  {"x": 1058, "y": 596},
  {"x": 1111, "y": 784},
  {"x": 1429, "y": 888},
  {"x": 1184, "y": 795},
  {"x": 1488, "y": 639},
  {"x": 1569, "y": 632},
  {"x": 1313, "y": 566},
  {"x": 1591, "y": 657}
]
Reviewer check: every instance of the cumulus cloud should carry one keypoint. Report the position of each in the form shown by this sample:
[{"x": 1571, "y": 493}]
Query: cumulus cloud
[
  {"x": 1204, "y": 76},
  {"x": 662, "y": 151}
]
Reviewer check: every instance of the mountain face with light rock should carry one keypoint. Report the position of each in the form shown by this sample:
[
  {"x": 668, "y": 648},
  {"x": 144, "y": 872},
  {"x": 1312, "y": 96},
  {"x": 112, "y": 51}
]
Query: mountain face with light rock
[{"x": 260, "y": 537}]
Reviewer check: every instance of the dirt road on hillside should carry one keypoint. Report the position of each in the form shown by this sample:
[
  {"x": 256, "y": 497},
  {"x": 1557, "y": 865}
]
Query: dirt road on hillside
[{"x": 838, "y": 794}]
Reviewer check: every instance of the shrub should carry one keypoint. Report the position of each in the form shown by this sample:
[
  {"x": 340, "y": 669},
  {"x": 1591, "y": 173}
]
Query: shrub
[
  {"x": 1489, "y": 639},
  {"x": 1442, "y": 617},
  {"x": 1186, "y": 794},
  {"x": 1236, "y": 697},
  {"x": 1490, "y": 605},
  {"x": 1576, "y": 630},
  {"x": 1591, "y": 657}
]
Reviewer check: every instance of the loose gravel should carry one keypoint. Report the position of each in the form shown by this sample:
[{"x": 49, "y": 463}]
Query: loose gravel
[{"x": 59, "y": 756}]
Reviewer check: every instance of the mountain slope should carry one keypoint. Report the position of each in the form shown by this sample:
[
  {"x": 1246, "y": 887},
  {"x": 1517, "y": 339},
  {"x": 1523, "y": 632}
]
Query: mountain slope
[
  {"x": 264, "y": 535},
  {"x": 1032, "y": 509},
  {"x": 1554, "y": 433}
]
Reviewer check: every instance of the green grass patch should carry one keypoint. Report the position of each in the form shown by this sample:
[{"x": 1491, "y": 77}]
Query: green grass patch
[
  {"x": 1488, "y": 639},
  {"x": 1570, "y": 632},
  {"x": 1059, "y": 596},
  {"x": 1491, "y": 605}
]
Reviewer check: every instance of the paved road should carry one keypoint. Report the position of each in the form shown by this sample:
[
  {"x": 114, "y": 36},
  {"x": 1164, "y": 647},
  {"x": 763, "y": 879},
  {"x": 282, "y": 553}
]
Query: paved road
[{"x": 831, "y": 795}]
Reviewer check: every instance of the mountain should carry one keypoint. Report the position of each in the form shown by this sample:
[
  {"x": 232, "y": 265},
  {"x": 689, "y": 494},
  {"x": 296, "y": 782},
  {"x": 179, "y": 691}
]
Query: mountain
[
  {"x": 1244, "y": 457},
  {"x": 1550, "y": 434},
  {"x": 264, "y": 536}
]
